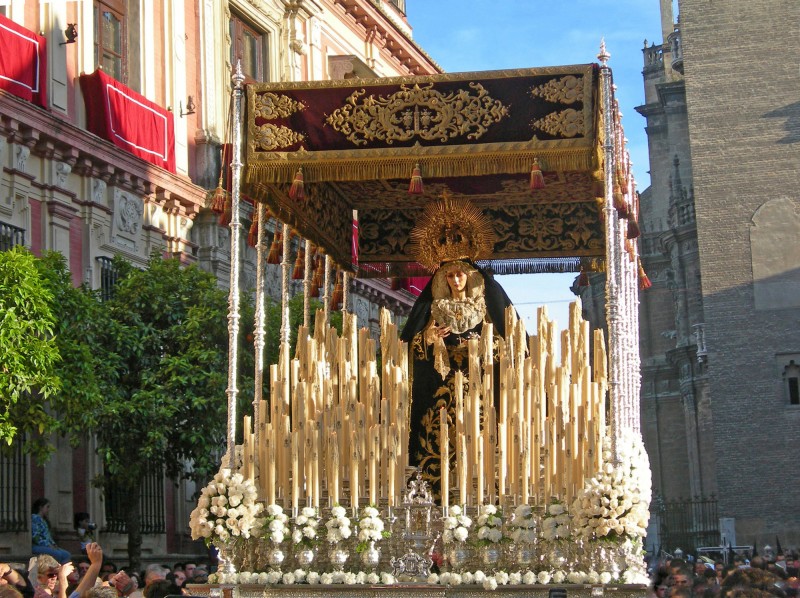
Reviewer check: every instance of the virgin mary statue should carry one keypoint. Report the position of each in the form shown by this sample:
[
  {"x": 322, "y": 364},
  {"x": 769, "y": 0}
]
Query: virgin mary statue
[{"x": 452, "y": 309}]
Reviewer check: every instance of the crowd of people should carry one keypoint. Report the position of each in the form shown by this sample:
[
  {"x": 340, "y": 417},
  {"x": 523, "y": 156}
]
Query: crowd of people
[
  {"x": 94, "y": 576},
  {"x": 758, "y": 576},
  {"x": 53, "y": 573}
]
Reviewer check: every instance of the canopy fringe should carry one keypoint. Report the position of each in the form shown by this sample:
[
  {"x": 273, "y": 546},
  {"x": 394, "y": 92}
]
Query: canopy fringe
[{"x": 432, "y": 167}]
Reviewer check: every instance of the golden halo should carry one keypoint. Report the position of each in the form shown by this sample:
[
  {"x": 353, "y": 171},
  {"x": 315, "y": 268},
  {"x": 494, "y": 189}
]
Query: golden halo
[{"x": 451, "y": 229}]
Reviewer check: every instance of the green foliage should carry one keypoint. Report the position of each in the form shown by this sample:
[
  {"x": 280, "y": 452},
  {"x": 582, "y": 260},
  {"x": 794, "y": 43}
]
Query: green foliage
[
  {"x": 28, "y": 351},
  {"x": 168, "y": 404}
]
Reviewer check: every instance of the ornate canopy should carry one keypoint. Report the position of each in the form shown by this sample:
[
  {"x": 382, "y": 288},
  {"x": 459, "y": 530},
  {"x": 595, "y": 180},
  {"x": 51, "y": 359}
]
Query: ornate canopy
[{"x": 476, "y": 135}]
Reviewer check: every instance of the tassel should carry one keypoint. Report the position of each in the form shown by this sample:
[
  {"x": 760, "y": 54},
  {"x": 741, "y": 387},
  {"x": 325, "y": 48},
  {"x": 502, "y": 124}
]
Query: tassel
[
  {"x": 297, "y": 191},
  {"x": 274, "y": 256},
  {"x": 583, "y": 278},
  {"x": 316, "y": 277},
  {"x": 225, "y": 216},
  {"x": 338, "y": 292},
  {"x": 537, "y": 178},
  {"x": 299, "y": 270},
  {"x": 415, "y": 187},
  {"x": 633, "y": 228},
  {"x": 252, "y": 234},
  {"x": 644, "y": 281},
  {"x": 619, "y": 203},
  {"x": 218, "y": 197}
]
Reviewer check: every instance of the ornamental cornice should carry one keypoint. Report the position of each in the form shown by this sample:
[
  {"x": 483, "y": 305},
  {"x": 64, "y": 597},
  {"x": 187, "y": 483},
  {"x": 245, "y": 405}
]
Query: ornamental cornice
[{"x": 22, "y": 122}]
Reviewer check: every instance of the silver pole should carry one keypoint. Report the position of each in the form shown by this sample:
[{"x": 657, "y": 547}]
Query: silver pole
[
  {"x": 258, "y": 335},
  {"x": 612, "y": 248},
  {"x": 233, "y": 296}
]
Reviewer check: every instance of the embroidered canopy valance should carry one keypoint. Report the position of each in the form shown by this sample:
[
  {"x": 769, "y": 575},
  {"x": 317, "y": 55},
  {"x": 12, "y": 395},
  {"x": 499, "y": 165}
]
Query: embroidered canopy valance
[{"x": 356, "y": 144}]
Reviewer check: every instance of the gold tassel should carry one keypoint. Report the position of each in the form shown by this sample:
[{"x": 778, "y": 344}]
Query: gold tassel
[
  {"x": 252, "y": 234},
  {"x": 218, "y": 198},
  {"x": 537, "y": 178},
  {"x": 415, "y": 187},
  {"x": 274, "y": 256},
  {"x": 297, "y": 191},
  {"x": 299, "y": 270},
  {"x": 338, "y": 292},
  {"x": 225, "y": 216}
]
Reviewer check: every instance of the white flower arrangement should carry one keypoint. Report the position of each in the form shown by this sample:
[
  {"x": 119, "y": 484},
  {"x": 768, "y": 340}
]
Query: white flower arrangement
[
  {"x": 370, "y": 528},
  {"x": 556, "y": 521},
  {"x": 305, "y": 528},
  {"x": 338, "y": 525},
  {"x": 456, "y": 526},
  {"x": 523, "y": 525},
  {"x": 615, "y": 503},
  {"x": 490, "y": 525},
  {"x": 276, "y": 526},
  {"x": 227, "y": 509}
]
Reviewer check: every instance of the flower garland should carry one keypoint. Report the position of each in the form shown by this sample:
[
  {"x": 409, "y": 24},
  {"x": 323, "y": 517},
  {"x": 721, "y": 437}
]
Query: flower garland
[
  {"x": 370, "y": 528},
  {"x": 305, "y": 528},
  {"x": 338, "y": 525},
  {"x": 456, "y": 526},
  {"x": 227, "y": 509},
  {"x": 490, "y": 526},
  {"x": 299, "y": 576},
  {"x": 556, "y": 521},
  {"x": 275, "y": 524},
  {"x": 615, "y": 503},
  {"x": 523, "y": 525}
]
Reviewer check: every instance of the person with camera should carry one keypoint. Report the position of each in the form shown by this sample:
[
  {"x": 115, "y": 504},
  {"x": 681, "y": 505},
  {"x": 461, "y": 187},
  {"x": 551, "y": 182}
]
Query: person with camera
[{"x": 85, "y": 528}]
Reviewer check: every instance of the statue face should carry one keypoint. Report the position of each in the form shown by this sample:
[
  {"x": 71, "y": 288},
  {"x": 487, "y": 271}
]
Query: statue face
[{"x": 457, "y": 280}]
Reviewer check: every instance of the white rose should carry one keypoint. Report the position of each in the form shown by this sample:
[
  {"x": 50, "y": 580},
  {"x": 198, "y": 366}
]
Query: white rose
[
  {"x": 605, "y": 577},
  {"x": 460, "y": 534},
  {"x": 388, "y": 579},
  {"x": 288, "y": 578},
  {"x": 559, "y": 576},
  {"x": 373, "y": 578},
  {"x": 308, "y": 511},
  {"x": 544, "y": 577},
  {"x": 313, "y": 577},
  {"x": 495, "y": 535},
  {"x": 529, "y": 578},
  {"x": 338, "y": 511}
]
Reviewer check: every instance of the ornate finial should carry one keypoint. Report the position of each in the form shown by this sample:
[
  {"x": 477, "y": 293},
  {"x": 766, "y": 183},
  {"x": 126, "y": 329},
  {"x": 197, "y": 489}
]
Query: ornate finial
[
  {"x": 238, "y": 75},
  {"x": 603, "y": 56}
]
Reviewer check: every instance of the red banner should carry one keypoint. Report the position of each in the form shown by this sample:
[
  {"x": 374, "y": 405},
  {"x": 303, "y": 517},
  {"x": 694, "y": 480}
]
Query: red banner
[
  {"x": 129, "y": 120},
  {"x": 23, "y": 62}
]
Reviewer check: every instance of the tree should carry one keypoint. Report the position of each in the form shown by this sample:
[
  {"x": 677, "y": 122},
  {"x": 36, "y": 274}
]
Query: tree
[
  {"x": 28, "y": 351},
  {"x": 165, "y": 407}
]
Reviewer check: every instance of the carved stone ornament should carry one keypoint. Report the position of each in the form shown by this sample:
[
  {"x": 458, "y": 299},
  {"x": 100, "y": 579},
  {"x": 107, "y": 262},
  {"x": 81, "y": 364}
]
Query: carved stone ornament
[
  {"x": 128, "y": 214},
  {"x": 62, "y": 173},
  {"x": 270, "y": 106},
  {"x": 417, "y": 112},
  {"x": 99, "y": 191},
  {"x": 271, "y": 137},
  {"x": 22, "y": 157},
  {"x": 567, "y": 123},
  {"x": 566, "y": 90}
]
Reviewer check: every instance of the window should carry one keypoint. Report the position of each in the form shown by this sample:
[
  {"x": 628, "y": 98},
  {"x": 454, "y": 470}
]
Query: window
[
  {"x": 250, "y": 47},
  {"x": 789, "y": 370},
  {"x": 151, "y": 504},
  {"x": 14, "y": 505},
  {"x": 108, "y": 277},
  {"x": 400, "y": 4},
  {"x": 791, "y": 382},
  {"x": 109, "y": 37}
]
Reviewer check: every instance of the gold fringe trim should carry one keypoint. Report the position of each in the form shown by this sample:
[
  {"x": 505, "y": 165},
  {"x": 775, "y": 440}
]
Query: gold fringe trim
[{"x": 283, "y": 171}]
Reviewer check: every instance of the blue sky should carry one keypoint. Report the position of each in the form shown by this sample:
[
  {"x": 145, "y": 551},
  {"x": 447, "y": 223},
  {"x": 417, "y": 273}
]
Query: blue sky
[{"x": 474, "y": 35}]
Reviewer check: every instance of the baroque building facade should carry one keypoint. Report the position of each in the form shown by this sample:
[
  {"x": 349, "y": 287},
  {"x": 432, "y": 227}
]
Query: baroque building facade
[
  {"x": 93, "y": 192},
  {"x": 720, "y": 223}
]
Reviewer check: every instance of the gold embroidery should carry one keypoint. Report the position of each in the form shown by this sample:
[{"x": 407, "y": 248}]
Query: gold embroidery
[
  {"x": 567, "y": 123},
  {"x": 419, "y": 112},
  {"x": 270, "y": 106},
  {"x": 270, "y": 137},
  {"x": 566, "y": 90}
]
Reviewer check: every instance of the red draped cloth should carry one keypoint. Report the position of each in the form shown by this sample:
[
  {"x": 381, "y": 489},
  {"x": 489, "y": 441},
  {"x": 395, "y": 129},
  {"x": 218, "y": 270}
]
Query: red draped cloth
[
  {"x": 129, "y": 120},
  {"x": 23, "y": 62}
]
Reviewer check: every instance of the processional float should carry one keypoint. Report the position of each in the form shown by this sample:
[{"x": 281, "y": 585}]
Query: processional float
[{"x": 541, "y": 153}]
